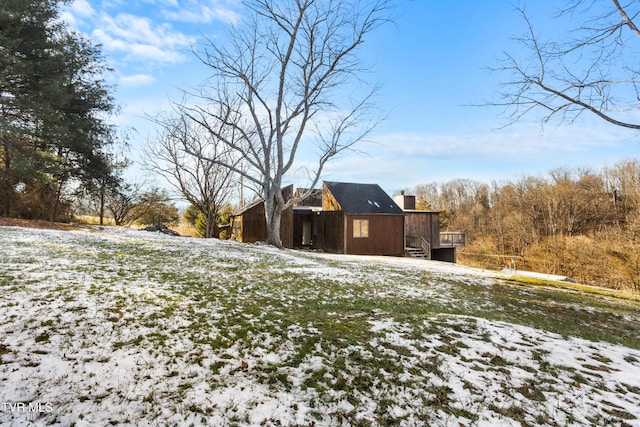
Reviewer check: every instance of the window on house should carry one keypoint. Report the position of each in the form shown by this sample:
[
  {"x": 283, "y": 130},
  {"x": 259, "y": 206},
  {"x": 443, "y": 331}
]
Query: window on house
[{"x": 360, "y": 228}]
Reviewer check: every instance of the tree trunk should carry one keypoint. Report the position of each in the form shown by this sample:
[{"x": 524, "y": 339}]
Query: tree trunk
[
  {"x": 103, "y": 190},
  {"x": 54, "y": 206},
  {"x": 5, "y": 181},
  {"x": 211, "y": 225},
  {"x": 273, "y": 213}
]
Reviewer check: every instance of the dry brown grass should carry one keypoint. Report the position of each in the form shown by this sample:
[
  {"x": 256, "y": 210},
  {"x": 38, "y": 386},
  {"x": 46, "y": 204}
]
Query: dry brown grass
[
  {"x": 184, "y": 229},
  {"x": 593, "y": 261},
  {"x": 36, "y": 223},
  {"x": 84, "y": 222},
  {"x": 94, "y": 220}
]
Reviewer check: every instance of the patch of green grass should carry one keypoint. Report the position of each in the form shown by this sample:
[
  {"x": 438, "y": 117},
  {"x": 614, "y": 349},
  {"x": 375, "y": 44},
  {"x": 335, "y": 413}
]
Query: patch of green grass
[
  {"x": 618, "y": 412},
  {"x": 495, "y": 359},
  {"x": 601, "y": 359},
  {"x": 531, "y": 281},
  {"x": 450, "y": 348},
  {"x": 631, "y": 389},
  {"x": 131, "y": 343},
  {"x": 531, "y": 391},
  {"x": 42, "y": 337},
  {"x": 575, "y": 314},
  {"x": 597, "y": 368},
  {"x": 514, "y": 412},
  {"x": 4, "y": 349},
  {"x": 631, "y": 359}
]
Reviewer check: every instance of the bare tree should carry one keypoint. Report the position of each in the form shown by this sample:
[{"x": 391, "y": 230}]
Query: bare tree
[
  {"x": 202, "y": 181},
  {"x": 288, "y": 82},
  {"x": 623, "y": 183},
  {"x": 123, "y": 201},
  {"x": 593, "y": 71}
]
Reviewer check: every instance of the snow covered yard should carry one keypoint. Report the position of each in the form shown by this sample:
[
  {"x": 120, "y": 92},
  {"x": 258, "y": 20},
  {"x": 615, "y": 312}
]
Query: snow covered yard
[{"x": 123, "y": 327}]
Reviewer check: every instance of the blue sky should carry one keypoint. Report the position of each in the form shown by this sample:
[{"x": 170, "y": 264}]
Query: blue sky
[{"x": 433, "y": 63}]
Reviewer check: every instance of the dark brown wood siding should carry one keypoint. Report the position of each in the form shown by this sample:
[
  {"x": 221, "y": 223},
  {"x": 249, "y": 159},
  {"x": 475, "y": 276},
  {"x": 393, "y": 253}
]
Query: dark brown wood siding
[
  {"x": 299, "y": 220},
  {"x": 386, "y": 236},
  {"x": 252, "y": 223},
  {"x": 332, "y": 231},
  {"x": 423, "y": 224},
  {"x": 286, "y": 221}
]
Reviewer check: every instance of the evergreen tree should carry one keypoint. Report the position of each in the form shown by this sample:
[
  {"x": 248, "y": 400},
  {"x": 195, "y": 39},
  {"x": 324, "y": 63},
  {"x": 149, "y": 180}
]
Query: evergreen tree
[{"x": 53, "y": 101}]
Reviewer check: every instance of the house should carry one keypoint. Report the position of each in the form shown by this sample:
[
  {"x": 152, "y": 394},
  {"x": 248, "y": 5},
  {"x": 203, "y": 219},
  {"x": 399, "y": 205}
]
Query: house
[
  {"x": 351, "y": 218},
  {"x": 359, "y": 219},
  {"x": 249, "y": 225}
]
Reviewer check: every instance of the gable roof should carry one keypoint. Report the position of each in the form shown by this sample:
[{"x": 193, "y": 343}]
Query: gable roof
[
  {"x": 362, "y": 198},
  {"x": 288, "y": 189},
  {"x": 248, "y": 207}
]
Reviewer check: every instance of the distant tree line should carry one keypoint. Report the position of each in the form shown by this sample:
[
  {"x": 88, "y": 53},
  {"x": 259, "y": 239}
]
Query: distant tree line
[{"x": 581, "y": 223}]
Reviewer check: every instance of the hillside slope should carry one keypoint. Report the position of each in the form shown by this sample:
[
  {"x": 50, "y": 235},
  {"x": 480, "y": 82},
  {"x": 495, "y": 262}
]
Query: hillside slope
[{"x": 116, "y": 326}]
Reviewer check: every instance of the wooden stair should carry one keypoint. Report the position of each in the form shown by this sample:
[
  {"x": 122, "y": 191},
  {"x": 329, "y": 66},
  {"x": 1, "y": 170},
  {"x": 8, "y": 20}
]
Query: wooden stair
[{"x": 415, "y": 253}]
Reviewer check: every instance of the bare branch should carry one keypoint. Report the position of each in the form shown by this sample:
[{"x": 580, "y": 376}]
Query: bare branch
[
  {"x": 626, "y": 20},
  {"x": 587, "y": 73}
]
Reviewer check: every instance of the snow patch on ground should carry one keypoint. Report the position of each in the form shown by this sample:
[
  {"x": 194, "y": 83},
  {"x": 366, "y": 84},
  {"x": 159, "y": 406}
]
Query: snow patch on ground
[{"x": 121, "y": 327}]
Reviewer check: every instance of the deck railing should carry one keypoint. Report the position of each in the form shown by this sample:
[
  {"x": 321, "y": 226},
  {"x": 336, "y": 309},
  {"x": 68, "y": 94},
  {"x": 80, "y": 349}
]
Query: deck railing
[{"x": 452, "y": 239}]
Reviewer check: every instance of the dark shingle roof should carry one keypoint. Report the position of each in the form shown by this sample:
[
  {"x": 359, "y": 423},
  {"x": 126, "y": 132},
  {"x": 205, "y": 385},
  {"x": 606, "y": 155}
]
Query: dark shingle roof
[{"x": 362, "y": 198}]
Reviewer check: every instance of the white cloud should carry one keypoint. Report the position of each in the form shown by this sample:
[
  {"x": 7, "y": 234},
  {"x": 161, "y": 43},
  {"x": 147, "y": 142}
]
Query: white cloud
[
  {"x": 402, "y": 160},
  {"x": 202, "y": 14},
  {"x": 162, "y": 3},
  {"x": 137, "y": 80},
  {"x": 149, "y": 53},
  {"x": 82, "y": 8},
  {"x": 133, "y": 28},
  {"x": 514, "y": 141},
  {"x": 141, "y": 40},
  {"x": 76, "y": 13},
  {"x": 140, "y": 32},
  {"x": 69, "y": 18}
]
